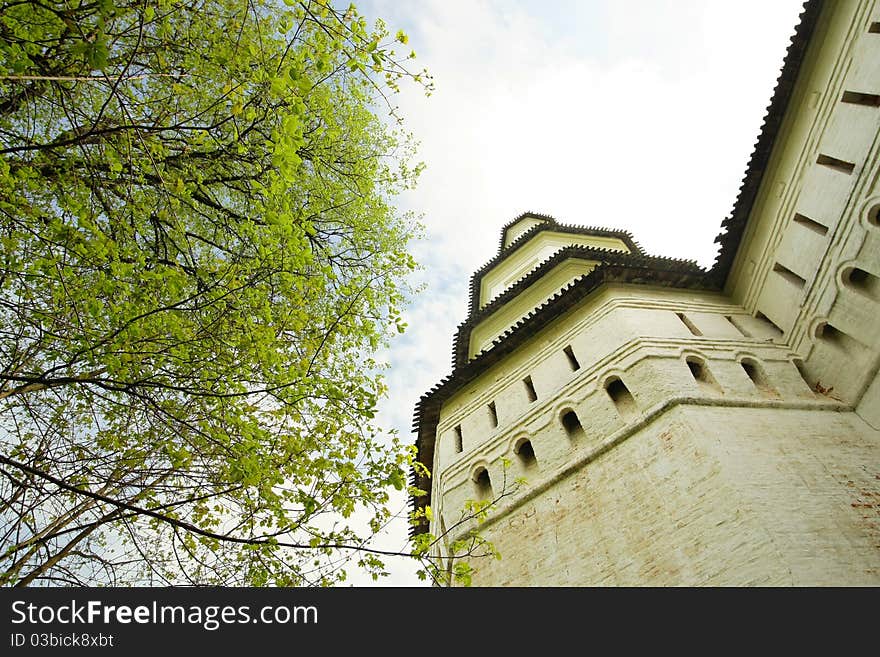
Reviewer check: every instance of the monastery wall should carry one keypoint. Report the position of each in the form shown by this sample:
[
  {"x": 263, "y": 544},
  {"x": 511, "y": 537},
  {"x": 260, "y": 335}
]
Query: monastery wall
[
  {"x": 704, "y": 495},
  {"x": 674, "y": 436}
]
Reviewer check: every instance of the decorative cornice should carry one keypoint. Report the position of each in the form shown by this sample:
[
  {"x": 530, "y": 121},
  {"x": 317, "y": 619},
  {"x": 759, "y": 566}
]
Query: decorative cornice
[
  {"x": 549, "y": 224},
  {"x": 514, "y": 221},
  {"x": 461, "y": 340},
  {"x": 628, "y": 269}
]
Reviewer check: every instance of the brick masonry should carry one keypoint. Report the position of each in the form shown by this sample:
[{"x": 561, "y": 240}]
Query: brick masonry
[{"x": 707, "y": 496}]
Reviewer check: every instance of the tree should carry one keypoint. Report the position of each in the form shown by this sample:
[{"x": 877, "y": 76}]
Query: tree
[
  {"x": 448, "y": 557},
  {"x": 200, "y": 260}
]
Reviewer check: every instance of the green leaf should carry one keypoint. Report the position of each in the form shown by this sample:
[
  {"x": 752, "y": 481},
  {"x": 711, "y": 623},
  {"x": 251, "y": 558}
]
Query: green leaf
[{"x": 192, "y": 267}]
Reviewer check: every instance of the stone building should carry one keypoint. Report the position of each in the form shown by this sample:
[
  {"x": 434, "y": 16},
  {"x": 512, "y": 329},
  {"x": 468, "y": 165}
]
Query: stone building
[{"x": 682, "y": 426}]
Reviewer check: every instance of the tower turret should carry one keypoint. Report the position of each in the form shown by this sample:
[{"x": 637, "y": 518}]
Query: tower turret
[{"x": 675, "y": 425}]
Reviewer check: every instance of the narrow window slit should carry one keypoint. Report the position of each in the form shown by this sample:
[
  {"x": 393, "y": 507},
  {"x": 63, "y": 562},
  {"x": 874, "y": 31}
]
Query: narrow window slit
[
  {"x": 572, "y": 359},
  {"x": 802, "y": 370},
  {"x": 737, "y": 324},
  {"x": 788, "y": 275},
  {"x": 622, "y": 398},
  {"x": 530, "y": 389},
  {"x": 858, "y": 98},
  {"x": 690, "y": 325},
  {"x": 808, "y": 223},
  {"x": 458, "y": 441},
  {"x": 493, "y": 414},
  {"x": 833, "y": 163},
  {"x": 774, "y": 328},
  {"x": 874, "y": 28}
]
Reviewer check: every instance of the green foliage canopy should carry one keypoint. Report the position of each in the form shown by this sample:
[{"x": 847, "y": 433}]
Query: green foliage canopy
[{"x": 200, "y": 258}]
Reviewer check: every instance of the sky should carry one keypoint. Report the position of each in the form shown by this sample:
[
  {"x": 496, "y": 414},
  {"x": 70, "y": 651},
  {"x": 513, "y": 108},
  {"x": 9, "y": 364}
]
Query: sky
[{"x": 632, "y": 114}]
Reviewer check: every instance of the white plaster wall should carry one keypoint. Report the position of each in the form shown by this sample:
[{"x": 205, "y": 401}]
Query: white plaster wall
[
  {"x": 818, "y": 123},
  {"x": 706, "y": 496},
  {"x": 631, "y": 332}
]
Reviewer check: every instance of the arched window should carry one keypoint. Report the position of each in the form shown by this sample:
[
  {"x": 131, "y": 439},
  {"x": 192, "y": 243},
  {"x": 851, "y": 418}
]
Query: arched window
[
  {"x": 702, "y": 375},
  {"x": 526, "y": 453},
  {"x": 622, "y": 398},
  {"x": 874, "y": 215},
  {"x": 482, "y": 483},
  {"x": 862, "y": 282},
  {"x": 837, "y": 339},
  {"x": 572, "y": 424},
  {"x": 756, "y": 373}
]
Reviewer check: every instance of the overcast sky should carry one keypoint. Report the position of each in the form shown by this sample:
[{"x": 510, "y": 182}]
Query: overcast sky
[{"x": 633, "y": 114}]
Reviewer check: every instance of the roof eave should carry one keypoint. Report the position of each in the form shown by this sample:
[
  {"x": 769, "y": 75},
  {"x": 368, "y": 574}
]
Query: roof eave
[
  {"x": 733, "y": 227},
  {"x": 667, "y": 273}
]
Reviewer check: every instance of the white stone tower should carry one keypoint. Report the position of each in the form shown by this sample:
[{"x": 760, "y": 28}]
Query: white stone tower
[{"x": 678, "y": 426}]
